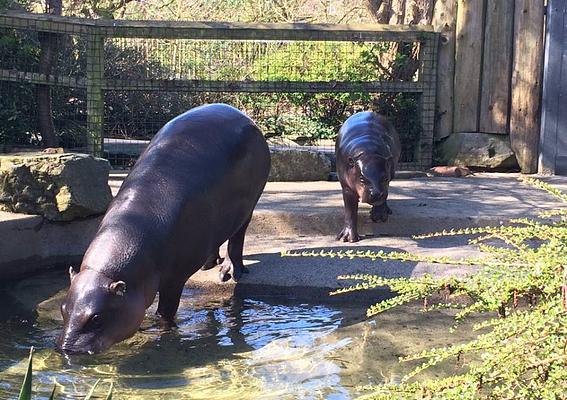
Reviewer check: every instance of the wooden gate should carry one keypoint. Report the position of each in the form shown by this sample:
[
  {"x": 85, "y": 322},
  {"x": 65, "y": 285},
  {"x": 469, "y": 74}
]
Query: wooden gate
[{"x": 553, "y": 144}]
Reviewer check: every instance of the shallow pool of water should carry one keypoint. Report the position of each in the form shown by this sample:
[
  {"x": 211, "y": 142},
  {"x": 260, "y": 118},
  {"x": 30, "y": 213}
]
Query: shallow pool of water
[{"x": 226, "y": 347}]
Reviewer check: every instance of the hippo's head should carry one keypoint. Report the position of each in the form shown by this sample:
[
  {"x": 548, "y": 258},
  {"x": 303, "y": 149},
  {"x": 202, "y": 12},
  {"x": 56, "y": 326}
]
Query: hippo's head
[
  {"x": 371, "y": 175},
  {"x": 98, "y": 312}
]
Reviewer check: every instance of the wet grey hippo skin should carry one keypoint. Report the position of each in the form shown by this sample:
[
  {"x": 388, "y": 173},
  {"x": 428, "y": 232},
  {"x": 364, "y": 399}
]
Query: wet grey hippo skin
[
  {"x": 193, "y": 188},
  {"x": 367, "y": 151}
]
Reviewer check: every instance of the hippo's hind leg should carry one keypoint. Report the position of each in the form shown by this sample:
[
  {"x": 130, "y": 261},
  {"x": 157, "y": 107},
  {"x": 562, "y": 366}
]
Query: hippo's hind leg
[
  {"x": 380, "y": 213},
  {"x": 213, "y": 260},
  {"x": 350, "y": 230},
  {"x": 233, "y": 265}
]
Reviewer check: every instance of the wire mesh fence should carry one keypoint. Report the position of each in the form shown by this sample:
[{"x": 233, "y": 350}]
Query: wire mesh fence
[{"x": 114, "y": 84}]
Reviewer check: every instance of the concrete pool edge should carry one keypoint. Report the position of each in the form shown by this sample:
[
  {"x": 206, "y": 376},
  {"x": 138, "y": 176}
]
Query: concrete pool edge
[{"x": 30, "y": 243}]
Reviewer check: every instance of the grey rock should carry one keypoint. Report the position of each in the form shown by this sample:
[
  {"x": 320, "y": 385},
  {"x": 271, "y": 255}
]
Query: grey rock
[
  {"x": 299, "y": 165},
  {"x": 60, "y": 187},
  {"x": 476, "y": 149}
]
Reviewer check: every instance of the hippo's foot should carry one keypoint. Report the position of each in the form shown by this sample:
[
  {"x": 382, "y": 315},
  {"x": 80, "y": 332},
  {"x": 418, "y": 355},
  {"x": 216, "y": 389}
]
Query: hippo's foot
[
  {"x": 166, "y": 324},
  {"x": 380, "y": 213},
  {"x": 348, "y": 234},
  {"x": 228, "y": 270},
  {"x": 211, "y": 263}
]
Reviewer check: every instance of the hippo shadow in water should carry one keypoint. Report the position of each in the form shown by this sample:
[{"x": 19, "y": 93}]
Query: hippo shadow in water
[{"x": 206, "y": 334}]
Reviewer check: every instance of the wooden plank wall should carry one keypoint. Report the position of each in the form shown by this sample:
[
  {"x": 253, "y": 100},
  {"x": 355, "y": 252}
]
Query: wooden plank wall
[
  {"x": 526, "y": 82},
  {"x": 495, "y": 67},
  {"x": 468, "y": 63},
  {"x": 444, "y": 21},
  {"x": 553, "y": 158}
]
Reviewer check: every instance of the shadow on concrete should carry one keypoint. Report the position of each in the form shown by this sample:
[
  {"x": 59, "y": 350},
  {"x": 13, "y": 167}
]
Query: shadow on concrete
[
  {"x": 445, "y": 242},
  {"x": 308, "y": 278}
]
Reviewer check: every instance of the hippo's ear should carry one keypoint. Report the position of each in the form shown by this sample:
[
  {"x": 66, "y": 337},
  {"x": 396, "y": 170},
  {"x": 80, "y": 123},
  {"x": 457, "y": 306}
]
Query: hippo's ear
[
  {"x": 72, "y": 274},
  {"x": 118, "y": 288}
]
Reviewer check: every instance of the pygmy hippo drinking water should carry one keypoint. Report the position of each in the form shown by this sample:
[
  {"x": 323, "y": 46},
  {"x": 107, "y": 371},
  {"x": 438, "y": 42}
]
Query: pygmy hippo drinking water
[
  {"x": 193, "y": 188},
  {"x": 367, "y": 152}
]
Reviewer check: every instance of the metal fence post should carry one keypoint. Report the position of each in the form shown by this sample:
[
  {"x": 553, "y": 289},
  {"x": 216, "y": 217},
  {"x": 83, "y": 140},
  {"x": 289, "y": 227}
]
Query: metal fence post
[
  {"x": 428, "y": 77},
  {"x": 95, "y": 93}
]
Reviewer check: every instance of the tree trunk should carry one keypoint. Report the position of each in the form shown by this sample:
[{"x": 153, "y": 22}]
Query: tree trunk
[
  {"x": 403, "y": 12},
  {"x": 48, "y": 42}
]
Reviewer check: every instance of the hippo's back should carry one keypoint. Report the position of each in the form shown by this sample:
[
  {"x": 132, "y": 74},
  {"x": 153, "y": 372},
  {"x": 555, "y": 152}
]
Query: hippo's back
[
  {"x": 367, "y": 131},
  {"x": 200, "y": 149},
  {"x": 210, "y": 139},
  {"x": 200, "y": 178}
]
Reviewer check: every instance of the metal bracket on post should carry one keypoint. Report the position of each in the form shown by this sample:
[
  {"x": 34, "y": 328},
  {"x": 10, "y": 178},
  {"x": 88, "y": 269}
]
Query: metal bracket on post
[{"x": 95, "y": 93}]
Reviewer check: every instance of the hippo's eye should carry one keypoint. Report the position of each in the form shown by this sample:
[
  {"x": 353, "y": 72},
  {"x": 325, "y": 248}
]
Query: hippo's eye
[{"x": 94, "y": 322}]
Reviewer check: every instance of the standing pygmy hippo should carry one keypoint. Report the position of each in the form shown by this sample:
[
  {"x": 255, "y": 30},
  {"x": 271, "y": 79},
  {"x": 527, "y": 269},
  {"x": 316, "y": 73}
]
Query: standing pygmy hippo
[
  {"x": 367, "y": 151},
  {"x": 193, "y": 188}
]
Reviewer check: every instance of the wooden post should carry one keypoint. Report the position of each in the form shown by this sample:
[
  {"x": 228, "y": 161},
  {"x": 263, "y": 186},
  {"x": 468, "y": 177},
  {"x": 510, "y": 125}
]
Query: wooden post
[
  {"x": 444, "y": 21},
  {"x": 526, "y": 82},
  {"x": 496, "y": 69},
  {"x": 468, "y": 61},
  {"x": 95, "y": 94}
]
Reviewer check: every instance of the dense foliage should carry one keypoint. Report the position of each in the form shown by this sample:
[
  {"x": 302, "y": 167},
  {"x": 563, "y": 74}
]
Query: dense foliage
[{"x": 521, "y": 351}]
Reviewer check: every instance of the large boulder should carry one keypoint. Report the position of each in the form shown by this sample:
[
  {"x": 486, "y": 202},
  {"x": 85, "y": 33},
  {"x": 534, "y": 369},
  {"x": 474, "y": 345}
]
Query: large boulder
[
  {"x": 295, "y": 164},
  {"x": 474, "y": 149},
  {"x": 61, "y": 187}
]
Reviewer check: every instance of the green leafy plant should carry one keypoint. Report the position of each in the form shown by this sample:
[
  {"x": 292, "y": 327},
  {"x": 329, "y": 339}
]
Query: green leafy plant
[
  {"x": 295, "y": 126},
  {"x": 26, "y": 389},
  {"x": 521, "y": 351}
]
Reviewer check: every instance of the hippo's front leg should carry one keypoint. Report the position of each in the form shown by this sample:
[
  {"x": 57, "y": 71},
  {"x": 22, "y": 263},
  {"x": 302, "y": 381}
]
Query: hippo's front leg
[
  {"x": 350, "y": 231},
  {"x": 169, "y": 296},
  {"x": 380, "y": 213}
]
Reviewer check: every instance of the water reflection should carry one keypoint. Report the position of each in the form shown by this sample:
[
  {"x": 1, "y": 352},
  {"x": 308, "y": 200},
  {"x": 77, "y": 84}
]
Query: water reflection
[
  {"x": 223, "y": 348},
  {"x": 226, "y": 347}
]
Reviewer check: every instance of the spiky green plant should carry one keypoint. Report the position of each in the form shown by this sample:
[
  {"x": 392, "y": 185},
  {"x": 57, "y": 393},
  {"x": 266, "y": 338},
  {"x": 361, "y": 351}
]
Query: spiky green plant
[
  {"x": 521, "y": 350},
  {"x": 26, "y": 389}
]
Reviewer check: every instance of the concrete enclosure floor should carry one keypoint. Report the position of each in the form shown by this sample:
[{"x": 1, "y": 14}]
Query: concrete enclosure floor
[{"x": 298, "y": 216}]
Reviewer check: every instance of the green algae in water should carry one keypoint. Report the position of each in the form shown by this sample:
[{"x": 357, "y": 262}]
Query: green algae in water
[{"x": 225, "y": 348}]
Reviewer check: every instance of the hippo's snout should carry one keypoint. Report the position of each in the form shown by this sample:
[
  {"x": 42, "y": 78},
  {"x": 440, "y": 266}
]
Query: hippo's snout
[
  {"x": 78, "y": 344},
  {"x": 376, "y": 196},
  {"x": 72, "y": 349}
]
